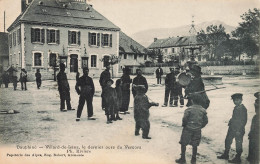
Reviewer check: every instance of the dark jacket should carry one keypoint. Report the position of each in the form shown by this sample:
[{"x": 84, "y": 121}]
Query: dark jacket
[
  {"x": 139, "y": 80},
  {"x": 38, "y": 75},
  {"x": 254, "y": 130},
  {"x": 126, "y": 81},
  {"x": 23, "y": 76},
  {"x": 159, "y": 72},
  {"x": 63, "y": 84},
  {"x": 105, "y": 75},
  {"x": 110, "y": 97},
  {"x": 85, "y": 86},
  {"x": 239, "y": 118},
  {"x": 170, "y": 80},
  {"x": 195, "y": 118}
]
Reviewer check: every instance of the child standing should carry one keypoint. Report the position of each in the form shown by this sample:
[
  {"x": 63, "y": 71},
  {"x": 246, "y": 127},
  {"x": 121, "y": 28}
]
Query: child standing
[
  {"x": 253, "y": 136},
  {"x": 141, "y": 111},
  {"x": 236, "y": 129},
  {"x": 194, "y": 119}
]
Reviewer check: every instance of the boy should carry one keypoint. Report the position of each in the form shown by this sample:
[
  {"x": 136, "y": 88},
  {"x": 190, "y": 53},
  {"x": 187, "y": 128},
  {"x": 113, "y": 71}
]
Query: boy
[
  {"x": 110, "y": 99},
  {"x": 86, "y": 89},
  {"x": 194, "y": 119},
  {"x": 38, "y": 78},
  {"x": 64, "y": 89},
  {"x": 141, "y": 111},
  {"x": 169, "y": 88},
  {"x": 253, "y": 136},
  {"x": 236, "y": 129}
]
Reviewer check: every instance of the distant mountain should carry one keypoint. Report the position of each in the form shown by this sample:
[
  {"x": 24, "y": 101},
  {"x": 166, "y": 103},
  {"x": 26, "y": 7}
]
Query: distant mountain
[{"x": 146, "y": 37}]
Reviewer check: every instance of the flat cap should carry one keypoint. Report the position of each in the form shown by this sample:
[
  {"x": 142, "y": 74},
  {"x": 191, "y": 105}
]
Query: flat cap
[{"x": 236, "y": 95}]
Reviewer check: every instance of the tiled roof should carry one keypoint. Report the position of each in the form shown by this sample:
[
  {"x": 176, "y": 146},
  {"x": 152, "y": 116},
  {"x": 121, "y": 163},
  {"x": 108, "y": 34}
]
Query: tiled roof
[
  {"x": 4, "y": 49},
  {"x": 174, "y": 42},
  {"x": 75, "y": 14},
  {"x": 128, "y": 45}
]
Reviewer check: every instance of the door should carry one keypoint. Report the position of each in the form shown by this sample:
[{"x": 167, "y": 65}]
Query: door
[{"x": 73, "y": 63}]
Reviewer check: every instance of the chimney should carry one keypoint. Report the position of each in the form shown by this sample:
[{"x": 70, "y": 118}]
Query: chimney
[
  {"x": 25, "y": 4},
  {"x": 155, "y": 39}
]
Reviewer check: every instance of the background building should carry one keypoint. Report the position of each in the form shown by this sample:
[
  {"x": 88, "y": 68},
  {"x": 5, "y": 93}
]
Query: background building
[{"x": 4, "y": 51}]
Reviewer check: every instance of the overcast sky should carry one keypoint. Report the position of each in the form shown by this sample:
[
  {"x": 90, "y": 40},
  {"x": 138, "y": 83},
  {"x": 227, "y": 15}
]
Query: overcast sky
[{"x": 137, "y": 15}]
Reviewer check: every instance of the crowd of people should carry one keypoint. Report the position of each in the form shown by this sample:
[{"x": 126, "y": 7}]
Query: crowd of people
[{"x": 116, "y": 100}]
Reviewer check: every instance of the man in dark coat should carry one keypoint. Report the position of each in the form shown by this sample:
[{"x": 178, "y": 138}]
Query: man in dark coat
[
  {"x": 139, "y": 80},
  {"x": 159, "y": 73},
  {"x": 105, "y": 75},
  {"x": 5, "y": 78},
  {"x": 126, "y": 81},
  {"x": 38, "y": 78},
  {"x": 86, "y": 89},
  {"x": 177, "y": 92},
  {"x": 64, "y": 89},
  {"x": 169, "y": 88},
  {"x": 253, "y": 136},
  {"x": 196, "y": 85},
  {"x": 23, "y": 78},
  {"x": 236, "y": 129}
]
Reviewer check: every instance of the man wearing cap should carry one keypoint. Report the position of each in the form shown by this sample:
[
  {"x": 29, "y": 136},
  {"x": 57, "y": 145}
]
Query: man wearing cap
[
  {"x": 196, "y": 85},
  {"x": 64, "y": 89},
  {"x": 139, "y": 80},
  {"x": 86, "y": 89},
  {"x": 169, "y": 87},
  {"x": 105, "y": 75},
  {"x": 253, "y": 136},
  {"x": 159, "y": 73},
  {"x": 236, "y": 129}
]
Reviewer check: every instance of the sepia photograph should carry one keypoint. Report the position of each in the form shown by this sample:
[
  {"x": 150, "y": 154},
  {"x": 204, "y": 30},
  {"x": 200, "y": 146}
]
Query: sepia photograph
[{"x": 129, "y": 81}]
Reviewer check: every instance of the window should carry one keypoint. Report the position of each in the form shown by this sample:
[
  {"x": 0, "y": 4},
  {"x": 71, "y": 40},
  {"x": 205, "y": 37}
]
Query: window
[
  {"x": 53, "y": 60},
  {"x": 53, "y": 36},
  {"x": 172, "y": 50},
  {"x": 74, "y": 37},
  {"x": 37, "y": 35},
  {"x": 165, "y": 50},
  {"x": 106, "y": 40},
  {"x": 125, "y": 56},
  {"x": 84, "y": 62},
  {"x": 105, "y": 61},
  {"x": 94, "y": 39},
  {"x": 93, "y": 60},
  {"x": 135, "y": 56},
  {"x": 19, "y": 36},
  {"x": 37, "y": 59},
  {"x": 10, "y": 40},
  {"x": 14, "y": 38},
  {"x": 145, "y": 56},
  {"x": 19, "y": 59}
]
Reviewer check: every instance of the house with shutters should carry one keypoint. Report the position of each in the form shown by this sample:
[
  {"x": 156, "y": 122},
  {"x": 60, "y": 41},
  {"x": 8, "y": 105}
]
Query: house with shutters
[{"x": 49, "y": 32}]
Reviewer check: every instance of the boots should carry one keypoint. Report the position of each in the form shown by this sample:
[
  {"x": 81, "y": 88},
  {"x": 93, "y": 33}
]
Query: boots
[
  {"x": 237, "y": 159},
  {"x": 224, "y": 156},
  {"x": 181, "y": 160},
  {"x": 194, "y": 154}
]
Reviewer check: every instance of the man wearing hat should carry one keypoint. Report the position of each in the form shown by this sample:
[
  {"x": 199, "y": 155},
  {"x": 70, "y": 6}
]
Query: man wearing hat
[
  {"x": 236, "y": 129},
  {"x": 105, "y": 75},
  {"x": 196, "y": 85},
  {"x": 169, "y": 88},
  {"x": 23, "y": 78},
  {"x": 253, "y": 136},
  {"x": 159, "y": 73},
  {"x": 86, "y": 89},
  {"x": 64, "y": 89},
  {"x": 139, "y": 80}
]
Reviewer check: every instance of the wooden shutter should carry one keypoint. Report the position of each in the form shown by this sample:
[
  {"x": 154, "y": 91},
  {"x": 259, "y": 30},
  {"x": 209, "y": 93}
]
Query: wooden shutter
[
  {"x": 19, "y": 36},
  {"x": 110, "y": 40},
  {"x": 42, "y": 35},
  {"x": 69, "y": 37},
  {"x": 89, "y": 38},
  {"x": 79, "y": 38},
  {"x": 58, "y": 36},
  {"x": 10, "y": 40},
  {"x": 102, "y": 39},
  {"x": 48, "y": 36},
  {"x": 32, "y": 35},
  {"x": 98, "y": 39}
]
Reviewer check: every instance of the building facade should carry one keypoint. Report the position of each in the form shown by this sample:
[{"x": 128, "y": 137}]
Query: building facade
[
  {"x": 49, "y": 32},
  {"x": 4, "y": 51}
]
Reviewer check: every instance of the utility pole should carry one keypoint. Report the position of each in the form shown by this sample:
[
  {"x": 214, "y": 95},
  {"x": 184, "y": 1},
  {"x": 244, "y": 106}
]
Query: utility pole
[{"x": 4, "y": 21}]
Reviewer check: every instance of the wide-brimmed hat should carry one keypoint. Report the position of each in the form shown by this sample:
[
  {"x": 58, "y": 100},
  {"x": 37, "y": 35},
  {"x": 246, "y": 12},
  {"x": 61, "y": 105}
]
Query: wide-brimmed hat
[
  {"x": 237, "y": 95},
  {"x": 195, "y": 69}
]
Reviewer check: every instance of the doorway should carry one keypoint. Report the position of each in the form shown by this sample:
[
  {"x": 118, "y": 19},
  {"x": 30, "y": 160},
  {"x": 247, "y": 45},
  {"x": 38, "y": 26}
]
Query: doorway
[{"x": 73, "y": 63}]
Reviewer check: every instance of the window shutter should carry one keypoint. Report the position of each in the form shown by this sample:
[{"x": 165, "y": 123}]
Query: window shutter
[
  {"x": 110, "y": 40},
  {"x": 79, "y": 38},
  {"x": 32, "y": 35},
  {"x": 102, "y": 40},
  {"x": 10, "y": 40},
  {"x": 43, "y": 35},
  {"x": 14, "y": 41},
  {"x": 89, "y": 38},
  {"x": 98, "y": 39},
  {"x": 69, "y": 37},
  {"x": 58, "y": 36},
  {"x": 48, "y": 36},
  {"x": 19, "y": 36}
]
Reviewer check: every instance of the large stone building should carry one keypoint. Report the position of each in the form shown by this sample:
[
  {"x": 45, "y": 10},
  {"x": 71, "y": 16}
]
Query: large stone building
[
  {"x": 178, "y": 48},
  {"x": 49, "y": 32},
  {"x": 4, "y": 51}
]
